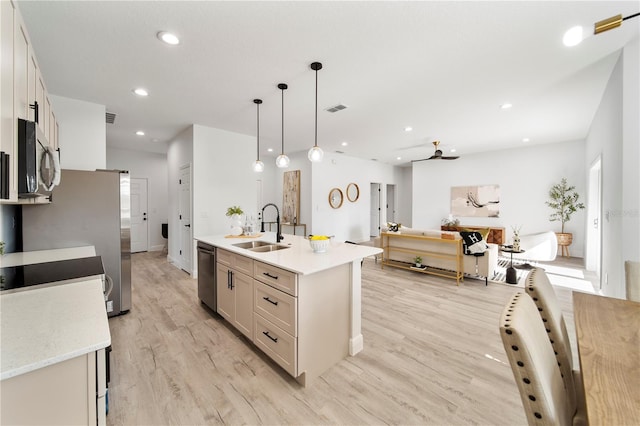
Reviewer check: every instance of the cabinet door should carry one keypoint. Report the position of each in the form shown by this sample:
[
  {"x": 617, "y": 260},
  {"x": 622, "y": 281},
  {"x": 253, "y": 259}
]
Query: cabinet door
[
  {"x": 226, "y": 299},
  {"x": 243, "y": 288},
  {"x": 8, "y": 124},
  {"x": 43, "y": 112}
]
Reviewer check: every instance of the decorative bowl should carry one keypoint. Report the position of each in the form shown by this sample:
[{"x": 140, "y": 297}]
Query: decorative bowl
[{"x": 319, "y": 245}]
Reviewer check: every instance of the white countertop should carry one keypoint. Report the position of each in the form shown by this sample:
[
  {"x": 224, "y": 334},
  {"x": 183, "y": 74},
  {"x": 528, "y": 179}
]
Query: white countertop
[
  {"x": 47, "y": 325},
  {"x": 299, "y": 257},
  {"x": 41, "y": 256}
]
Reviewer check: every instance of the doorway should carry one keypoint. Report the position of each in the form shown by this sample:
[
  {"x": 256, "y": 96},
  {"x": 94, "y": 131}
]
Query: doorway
[
  {"x": 184, "y": 217},
  {"x": 139, "y": 217},
  {"x": 375, "y": 210},
  {"x": 391, "y": 203},
  {"x": 594, "y": 224}
]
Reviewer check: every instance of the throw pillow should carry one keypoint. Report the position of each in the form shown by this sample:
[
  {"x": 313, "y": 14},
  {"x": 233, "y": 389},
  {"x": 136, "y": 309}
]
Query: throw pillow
[
  {"x": 393, "y": 227},
  {"x": 472, "y": 243}
]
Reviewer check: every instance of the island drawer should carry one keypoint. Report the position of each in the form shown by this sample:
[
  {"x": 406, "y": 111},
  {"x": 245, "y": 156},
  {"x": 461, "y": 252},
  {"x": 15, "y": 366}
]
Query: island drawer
[
  {"x": 238, "y": 262},
  {"x": 276, "y": 277},
  {"x": 277, "y": 344},
  {"x": 276, "y": 306}
]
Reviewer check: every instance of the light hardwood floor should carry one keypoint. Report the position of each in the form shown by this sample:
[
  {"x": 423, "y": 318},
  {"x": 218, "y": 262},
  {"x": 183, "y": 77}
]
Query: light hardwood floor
[{"x": 433, "y": 355}]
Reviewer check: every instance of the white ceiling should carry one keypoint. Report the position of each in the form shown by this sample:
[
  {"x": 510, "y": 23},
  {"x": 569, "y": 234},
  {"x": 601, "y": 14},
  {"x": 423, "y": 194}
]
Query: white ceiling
[{"x": 443, "y": 68}]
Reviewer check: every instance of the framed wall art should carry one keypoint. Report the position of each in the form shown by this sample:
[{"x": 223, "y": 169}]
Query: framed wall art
[{"x": 475, "y": 201}]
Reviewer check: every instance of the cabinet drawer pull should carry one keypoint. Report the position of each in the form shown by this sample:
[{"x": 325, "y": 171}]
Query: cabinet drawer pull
[
  {"x": 275, "y": 277},
  {"x": 270, "y": 301},
  {"x": 274, "y": 339}
]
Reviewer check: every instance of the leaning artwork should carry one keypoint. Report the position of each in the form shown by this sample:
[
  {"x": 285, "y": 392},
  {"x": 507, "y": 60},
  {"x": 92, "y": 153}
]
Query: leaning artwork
[{"x": 475, "y": 201}]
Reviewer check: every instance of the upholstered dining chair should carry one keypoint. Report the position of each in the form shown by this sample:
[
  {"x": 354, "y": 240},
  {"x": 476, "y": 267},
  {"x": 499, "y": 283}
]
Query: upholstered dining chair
[
  {"x": 539, "y": 287},
  {"x": 534, "y": 366}
]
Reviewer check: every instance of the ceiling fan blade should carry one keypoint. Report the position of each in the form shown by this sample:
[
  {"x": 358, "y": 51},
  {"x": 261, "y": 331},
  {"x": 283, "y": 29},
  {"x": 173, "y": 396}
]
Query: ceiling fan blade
[
  {"x": 449, "y": 158},
  {"x": 422, "y": 159}
]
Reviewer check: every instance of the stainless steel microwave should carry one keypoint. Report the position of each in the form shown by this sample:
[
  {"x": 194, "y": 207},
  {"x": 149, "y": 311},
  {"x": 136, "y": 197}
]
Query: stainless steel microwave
[{"x": 34, "y": 165}]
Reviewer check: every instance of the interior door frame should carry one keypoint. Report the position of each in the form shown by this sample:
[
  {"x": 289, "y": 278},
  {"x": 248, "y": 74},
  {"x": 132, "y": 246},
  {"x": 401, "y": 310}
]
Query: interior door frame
[
  {"x": 375, "y": 209},
  {"x": 593, "y": 258}
]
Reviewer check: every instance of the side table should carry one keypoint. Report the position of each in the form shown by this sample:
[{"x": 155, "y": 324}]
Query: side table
[{"x": 512, "y": 277}]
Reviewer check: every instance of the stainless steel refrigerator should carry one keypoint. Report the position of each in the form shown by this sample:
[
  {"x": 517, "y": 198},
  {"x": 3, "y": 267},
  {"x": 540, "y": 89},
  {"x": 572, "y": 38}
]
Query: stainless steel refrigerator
[{"x": 88, "y": 208}]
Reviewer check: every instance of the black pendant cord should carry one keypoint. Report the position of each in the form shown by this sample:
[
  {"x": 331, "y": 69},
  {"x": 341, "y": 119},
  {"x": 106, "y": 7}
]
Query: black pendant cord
[
  {"x": 282, "y": 87},
  {"x": 631, "y": 16},
  {"x": 258, "y": 102},
  {"x": 316, "y": 127}
]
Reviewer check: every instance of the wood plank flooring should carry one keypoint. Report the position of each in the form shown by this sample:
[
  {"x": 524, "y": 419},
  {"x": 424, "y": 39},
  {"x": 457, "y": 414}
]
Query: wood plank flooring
[{"x": 433, "y": 355}]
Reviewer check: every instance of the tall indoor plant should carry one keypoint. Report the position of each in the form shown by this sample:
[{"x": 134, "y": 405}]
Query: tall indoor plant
[{"x": 563, "y": 200}]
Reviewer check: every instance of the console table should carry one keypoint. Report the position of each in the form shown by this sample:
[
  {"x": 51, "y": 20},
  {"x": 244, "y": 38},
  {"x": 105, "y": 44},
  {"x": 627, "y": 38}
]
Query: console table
[{"x": 442, "y": 257}]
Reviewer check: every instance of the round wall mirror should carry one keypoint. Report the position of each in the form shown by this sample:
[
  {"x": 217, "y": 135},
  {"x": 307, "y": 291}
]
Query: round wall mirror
[
  {"x": 335, "y": 198},
  {"x": 353, "y": 192}
]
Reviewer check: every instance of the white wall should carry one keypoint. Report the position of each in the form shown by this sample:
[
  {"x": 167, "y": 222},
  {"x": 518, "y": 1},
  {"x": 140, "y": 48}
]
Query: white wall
[
  {"x": 82, "y": 134},
  {"x": 352, "y": 220},
  {"x": 153, "y": 167},
  {"x": 222, "y": 177},
  {"x": 179, "y": 154},
  {"x": 614, "y": 135},
  {"x": 524, "y": 175},
  {"x": 404, "y": 194}
]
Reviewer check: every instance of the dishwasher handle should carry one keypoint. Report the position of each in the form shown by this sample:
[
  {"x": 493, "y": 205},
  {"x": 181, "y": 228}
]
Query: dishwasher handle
[{"x": 205, "y": 251}]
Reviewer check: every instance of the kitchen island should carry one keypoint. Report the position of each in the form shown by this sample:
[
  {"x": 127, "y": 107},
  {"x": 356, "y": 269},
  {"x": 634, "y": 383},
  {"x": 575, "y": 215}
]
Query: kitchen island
[
  {"x": 52, "y": 356},
  {"x": 303, "y": 309}
]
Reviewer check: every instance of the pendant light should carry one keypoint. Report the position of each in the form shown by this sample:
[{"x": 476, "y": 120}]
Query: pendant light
[
  {"x": 282, "y": 161},
  {"x": 315, "y": 153},
  {"x": 258, "y": 166}
]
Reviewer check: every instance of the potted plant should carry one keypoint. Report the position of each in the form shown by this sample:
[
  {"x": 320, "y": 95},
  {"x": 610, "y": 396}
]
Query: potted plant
[
  {"x": 234, "y": 213},
  {"x": 417, "y": 261},
  {"x": 563, "y": 200}
]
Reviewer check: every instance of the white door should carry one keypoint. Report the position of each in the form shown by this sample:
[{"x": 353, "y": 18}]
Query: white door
[
  {"x": 139, "y": 216},
  {"x": 185, "y": 218},
  {"x": 594, "y": 207},
  {"x": 375, "y": 210}
]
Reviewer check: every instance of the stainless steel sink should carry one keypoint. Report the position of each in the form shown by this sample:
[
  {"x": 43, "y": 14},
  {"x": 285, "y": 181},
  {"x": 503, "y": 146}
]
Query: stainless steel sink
[
  {"x": 252, "y": 244},
  {"x": 271, "y": 247}
]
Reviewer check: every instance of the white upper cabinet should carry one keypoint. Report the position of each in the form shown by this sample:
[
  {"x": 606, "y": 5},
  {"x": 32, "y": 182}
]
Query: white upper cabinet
[{"x": 21, "y": 86}]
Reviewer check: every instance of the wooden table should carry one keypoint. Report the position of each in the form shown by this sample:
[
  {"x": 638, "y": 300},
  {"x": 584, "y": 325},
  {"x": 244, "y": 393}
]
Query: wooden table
[{"x": 608, "y": 332}]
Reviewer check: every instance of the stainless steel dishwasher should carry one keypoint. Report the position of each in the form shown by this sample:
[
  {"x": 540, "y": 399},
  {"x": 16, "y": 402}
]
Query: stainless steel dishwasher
[{"x": 207, "y": 275}]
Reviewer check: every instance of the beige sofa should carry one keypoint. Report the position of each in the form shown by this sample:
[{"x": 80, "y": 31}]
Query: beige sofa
[{"x": 474, "y": 266}]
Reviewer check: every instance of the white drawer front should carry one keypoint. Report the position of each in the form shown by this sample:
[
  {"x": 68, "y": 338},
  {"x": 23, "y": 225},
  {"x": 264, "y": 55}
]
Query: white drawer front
[
  {"x": 276, "y": 277},
  {"x": 276, "y": 306},
  {"x": 278, "y": 345}
]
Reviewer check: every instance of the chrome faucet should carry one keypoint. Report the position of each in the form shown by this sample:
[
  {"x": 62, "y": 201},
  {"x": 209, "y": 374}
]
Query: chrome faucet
[{"x": 279, "y": 236}]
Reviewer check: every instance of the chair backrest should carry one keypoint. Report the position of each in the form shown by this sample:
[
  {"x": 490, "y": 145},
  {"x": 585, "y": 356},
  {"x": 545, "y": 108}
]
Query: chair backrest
[
  {"x": 541, "y": 291},
  {"x": 533, "y": 363},
  {"x": 632, "y": 280}
]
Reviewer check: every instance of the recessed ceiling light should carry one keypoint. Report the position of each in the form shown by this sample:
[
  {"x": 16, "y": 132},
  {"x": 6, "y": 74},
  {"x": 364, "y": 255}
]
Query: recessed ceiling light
[
  {"x": 344, "y": 143},
  {"x": 506, "y": 105},
  {"x": 398, "y": 158},
  {"x": 141, "y": 92},
  {"x": 168, "y": 38},
  {"x": 140, "y": 133},
  {"x": 408, "y": 129},
  {"x": 452, "y": 150},
  {"x": 573, "y": 36},
  {"x": 525, "y": 140},
  {"x": 270, "y": 150}
]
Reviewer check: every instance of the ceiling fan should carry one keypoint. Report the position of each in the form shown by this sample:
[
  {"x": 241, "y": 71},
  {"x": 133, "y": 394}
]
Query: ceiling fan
[{"x": 437, "y": 155}]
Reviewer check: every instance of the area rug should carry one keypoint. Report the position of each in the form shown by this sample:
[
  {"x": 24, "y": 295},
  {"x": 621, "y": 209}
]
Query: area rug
[{"x": 500, "y": 273}]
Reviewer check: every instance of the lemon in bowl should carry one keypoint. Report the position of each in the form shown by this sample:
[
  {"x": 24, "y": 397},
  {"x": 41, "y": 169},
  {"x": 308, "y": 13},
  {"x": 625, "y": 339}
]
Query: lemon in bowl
[{"x": 319, "y": 243}]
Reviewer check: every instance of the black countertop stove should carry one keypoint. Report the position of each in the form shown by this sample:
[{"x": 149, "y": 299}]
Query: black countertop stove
[{"x": 24, "y": 276}]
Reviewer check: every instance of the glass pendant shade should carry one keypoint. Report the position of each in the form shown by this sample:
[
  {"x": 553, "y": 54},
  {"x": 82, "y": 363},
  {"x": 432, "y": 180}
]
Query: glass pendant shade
[
  {"x": 258, "y": 166},
  {"x": 315, "y": 154},
  {"x": 282, "y": 161}
]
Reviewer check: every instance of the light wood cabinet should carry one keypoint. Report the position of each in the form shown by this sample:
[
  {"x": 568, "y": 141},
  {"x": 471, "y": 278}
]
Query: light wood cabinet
[
  {"x": 21, "y": 85},
  {"x": 67, "y": 392},
  {"x": 300, "y": 321},
  {"x": 235, "y": 290}
]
